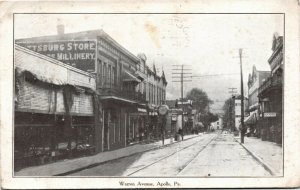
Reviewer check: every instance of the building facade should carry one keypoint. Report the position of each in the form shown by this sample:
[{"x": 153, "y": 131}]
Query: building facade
[
  {"x": 126, "y": 91},
  {"x": 217, "y": 125},
  {"x": 270, "y": 95},
  {"x": 255, "y": 79},
  {"x": 155, "y": 96}
]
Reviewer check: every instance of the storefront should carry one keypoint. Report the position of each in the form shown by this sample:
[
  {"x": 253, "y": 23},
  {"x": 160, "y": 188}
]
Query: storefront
[
  {"x": 137, "y": 129},
  {"x": 54, "y": 116},
  {"x": 153, "y": 130},
  {"x": 251, "y": 124}
]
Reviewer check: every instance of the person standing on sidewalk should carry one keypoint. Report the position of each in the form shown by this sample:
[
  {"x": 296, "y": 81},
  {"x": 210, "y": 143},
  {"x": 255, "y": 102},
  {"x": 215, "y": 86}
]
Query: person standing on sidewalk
[
  {"x": 180, "y": 132},
  {"x": 162, "y": 120}
]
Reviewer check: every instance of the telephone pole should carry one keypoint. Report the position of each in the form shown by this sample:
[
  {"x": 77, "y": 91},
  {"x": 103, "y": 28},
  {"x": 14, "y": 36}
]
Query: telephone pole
[
  {"x": 181, "y": 74},
  {"x": 242, "y": 97}
]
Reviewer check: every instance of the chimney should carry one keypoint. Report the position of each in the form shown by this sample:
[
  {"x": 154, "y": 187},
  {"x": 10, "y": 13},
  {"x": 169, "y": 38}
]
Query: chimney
[{"x": 60, "y": 27}]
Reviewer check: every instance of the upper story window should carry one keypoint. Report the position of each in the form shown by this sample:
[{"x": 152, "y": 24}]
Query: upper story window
[{"x": 104, "y": 73}]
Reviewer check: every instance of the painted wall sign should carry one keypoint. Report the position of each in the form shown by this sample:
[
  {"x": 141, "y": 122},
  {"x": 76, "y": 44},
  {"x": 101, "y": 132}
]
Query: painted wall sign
[{"x": 79, "y": 54}]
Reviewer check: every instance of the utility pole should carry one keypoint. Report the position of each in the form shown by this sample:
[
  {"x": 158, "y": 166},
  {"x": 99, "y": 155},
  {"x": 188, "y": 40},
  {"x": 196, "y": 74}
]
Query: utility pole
[
  {"x": 242, "y": 97},
  {"x": 183, "y": 76},
  {"x": 231, "y": 107}
]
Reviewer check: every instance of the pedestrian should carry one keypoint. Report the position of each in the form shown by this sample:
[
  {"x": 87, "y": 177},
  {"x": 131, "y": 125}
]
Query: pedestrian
[
  {"x": 140, "y": 134},
  {"x": 180, "y": 132}
]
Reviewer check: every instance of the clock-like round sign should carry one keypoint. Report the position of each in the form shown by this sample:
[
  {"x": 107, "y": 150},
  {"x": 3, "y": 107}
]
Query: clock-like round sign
[{"x": 163, "y": 109}]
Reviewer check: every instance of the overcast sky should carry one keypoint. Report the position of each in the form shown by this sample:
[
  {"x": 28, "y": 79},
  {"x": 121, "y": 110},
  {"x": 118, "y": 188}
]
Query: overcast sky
[{"x": 207, "y": 42}]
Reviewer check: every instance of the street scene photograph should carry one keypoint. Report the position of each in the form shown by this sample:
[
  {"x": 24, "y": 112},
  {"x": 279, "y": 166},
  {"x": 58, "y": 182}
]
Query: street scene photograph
[{"x": 148, "y": 95}]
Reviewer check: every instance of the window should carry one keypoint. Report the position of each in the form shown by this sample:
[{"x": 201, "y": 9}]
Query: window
[
  {"x": 153, "y": 94},
  {"x": 149, "y": 93},
  {"x": 99, "y": 71},
  {"x": 141, "y": 87},
  {"x": 109, "y": 76},
  {"x": 103, "y": 73},
  {"x": 113, "y": 76},
  {"x": 157, "y": 96}
]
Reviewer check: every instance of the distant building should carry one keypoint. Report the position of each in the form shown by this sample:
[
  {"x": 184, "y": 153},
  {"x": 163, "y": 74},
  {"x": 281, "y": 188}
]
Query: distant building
[
  {"x": 190, "y": 116},
  {"x": 270, "y": 95},
  {"x": 217, "y": 125},
  {"x": 255, "y": 79},
  {"x": 172, "y": 117}
]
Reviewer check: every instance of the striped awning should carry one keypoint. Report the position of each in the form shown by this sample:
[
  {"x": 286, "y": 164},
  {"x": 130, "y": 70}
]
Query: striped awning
[
  {"x": 128, "y": 77},
  {"x": 251, "y": 119}
]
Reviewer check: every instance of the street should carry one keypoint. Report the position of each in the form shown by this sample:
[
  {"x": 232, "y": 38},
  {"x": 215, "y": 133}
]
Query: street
[{"x": 212, "y": 154}]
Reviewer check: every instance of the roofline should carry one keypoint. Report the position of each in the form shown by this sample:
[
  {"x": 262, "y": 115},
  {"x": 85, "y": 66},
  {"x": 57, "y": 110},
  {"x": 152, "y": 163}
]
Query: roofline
[
  {"x": 57, "y": 35},
  {"x": 276, "y": 51},
  {"x": 117, "y": 45},
  {"x": 99, "y": 33}
]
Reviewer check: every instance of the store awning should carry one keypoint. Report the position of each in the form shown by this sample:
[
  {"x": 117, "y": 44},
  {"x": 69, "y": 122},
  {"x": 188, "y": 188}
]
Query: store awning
[
  {"x": 142, "y": 110},
  {"x": 253, "y": 107},
  {"x": 128, "y": 77},
  {"x": 153, "y": 113},
  {"x": 251, "y": 119},
  {"x": 42, "y": 76}
]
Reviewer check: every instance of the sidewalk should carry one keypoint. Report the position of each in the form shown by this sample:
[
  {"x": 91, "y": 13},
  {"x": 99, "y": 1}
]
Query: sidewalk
[
  {"x": 269, "y": 153},
  {"x": 64, "y": 166}
]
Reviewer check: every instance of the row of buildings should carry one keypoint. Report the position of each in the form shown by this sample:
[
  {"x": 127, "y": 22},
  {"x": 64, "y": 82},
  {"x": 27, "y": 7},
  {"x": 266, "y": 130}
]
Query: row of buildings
[
  {"x": 264, "y": 105},
  {"x": 81, "y": 90}
]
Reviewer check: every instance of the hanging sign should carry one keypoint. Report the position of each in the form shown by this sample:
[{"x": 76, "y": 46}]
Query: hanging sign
[{"x": 163, "y": 109}]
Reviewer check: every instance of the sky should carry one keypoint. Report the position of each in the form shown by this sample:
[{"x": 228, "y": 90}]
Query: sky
[{"x": 207, "y": 43}]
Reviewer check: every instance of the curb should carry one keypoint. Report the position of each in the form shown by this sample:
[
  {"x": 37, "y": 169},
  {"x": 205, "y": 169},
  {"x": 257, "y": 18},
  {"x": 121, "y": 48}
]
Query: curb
[
  {"x": 106, "y": 161},
  {"x": 258, "y": 159}
]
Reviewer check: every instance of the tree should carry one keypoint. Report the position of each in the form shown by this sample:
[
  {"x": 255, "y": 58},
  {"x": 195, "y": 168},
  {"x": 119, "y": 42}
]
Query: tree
[
  {"x": 199, "y": 98},
  {"x": 208, "y": 118},
  {"x": 228, "y": 119},
  {"x": 200, "y": 103}
]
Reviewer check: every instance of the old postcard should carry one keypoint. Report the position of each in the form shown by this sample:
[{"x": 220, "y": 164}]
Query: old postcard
[{"x": 149, "y": 94}]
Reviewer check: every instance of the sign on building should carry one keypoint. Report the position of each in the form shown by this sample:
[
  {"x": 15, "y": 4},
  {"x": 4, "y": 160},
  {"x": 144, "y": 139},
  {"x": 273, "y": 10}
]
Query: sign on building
[
  {"x": 163, "y": 109},
  {"x": 80, "y": 54},
  {"x": 270, "y": 114}
]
